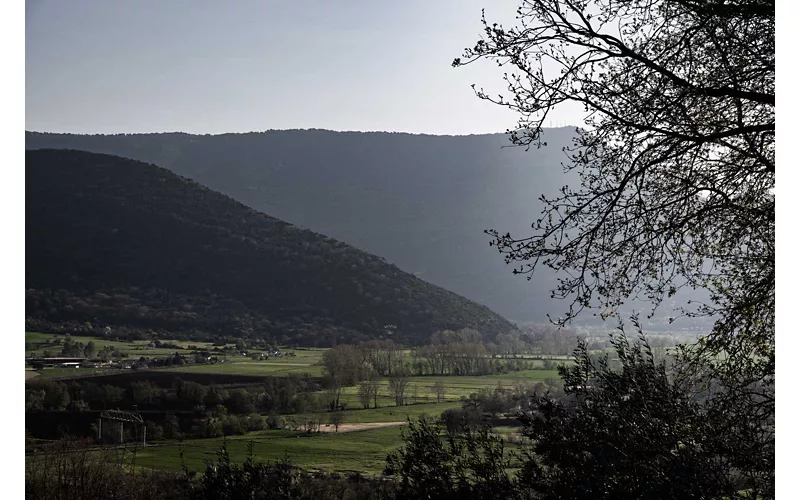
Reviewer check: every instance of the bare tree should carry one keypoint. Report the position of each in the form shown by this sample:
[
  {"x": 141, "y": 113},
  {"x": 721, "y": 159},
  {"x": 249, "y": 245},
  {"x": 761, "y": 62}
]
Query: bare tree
[
  {"x": 375, "y": 385},
  {"x": 675, "y": 171},
  {"x": 365, "y": 393},
  {"x": 333, "y": 392},
  {"x": 311, "y": 423},
  {"x": 343, "y": 363},
  {"x": 676, "y": 162},
  {"x": 397, "y": 386},
  {"x": 438, "y": 389},
  {"x": 336, "y": 418}
]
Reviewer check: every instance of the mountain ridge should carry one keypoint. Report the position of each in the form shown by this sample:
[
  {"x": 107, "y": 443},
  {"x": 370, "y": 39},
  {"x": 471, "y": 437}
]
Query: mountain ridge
[
  {"x": 136, "y": 245},
  {"x": 421, "y": 201}
]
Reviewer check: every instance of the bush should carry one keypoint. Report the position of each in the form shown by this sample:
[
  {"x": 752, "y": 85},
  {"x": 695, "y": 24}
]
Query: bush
[
  {"x": 456, "y": 420},
  {"x": 74, "y": 469},
  {"x": 256, "y": 422},
  {"x": 469, "y": 465}
]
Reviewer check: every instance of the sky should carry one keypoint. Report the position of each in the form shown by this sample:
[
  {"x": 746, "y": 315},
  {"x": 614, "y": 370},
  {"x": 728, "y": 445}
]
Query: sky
[{"x": 199, "y": 66}]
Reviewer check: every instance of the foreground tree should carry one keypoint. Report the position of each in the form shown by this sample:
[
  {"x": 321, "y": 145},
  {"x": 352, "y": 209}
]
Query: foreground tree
[
  {"x": 71, "y": 469},
  {"x": 630, "y": 433},
  {"x": 676, "y": 174},
  {"x": 470, "y": 464},
  {"x": 676, "y": 162}
]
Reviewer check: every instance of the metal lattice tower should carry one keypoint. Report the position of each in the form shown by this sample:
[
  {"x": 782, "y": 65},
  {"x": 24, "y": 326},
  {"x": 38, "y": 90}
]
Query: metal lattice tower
[{"x": 124, "y": 457}]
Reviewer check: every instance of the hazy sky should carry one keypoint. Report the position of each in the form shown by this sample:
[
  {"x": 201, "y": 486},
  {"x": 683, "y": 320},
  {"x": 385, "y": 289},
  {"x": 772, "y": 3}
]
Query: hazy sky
[{"x": 109, "y": 66}]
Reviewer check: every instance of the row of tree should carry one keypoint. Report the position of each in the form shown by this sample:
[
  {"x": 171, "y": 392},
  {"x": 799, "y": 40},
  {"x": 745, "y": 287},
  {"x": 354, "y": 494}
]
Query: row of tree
[
  {"x": 366, "y": 363},
  {"x": 292, "y": 394}
]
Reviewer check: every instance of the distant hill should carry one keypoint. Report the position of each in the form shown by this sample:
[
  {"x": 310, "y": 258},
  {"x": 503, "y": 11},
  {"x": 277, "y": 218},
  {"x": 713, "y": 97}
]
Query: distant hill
[
  {"x": 420, "y": 201},
  {"x": 113, "y": 241}
]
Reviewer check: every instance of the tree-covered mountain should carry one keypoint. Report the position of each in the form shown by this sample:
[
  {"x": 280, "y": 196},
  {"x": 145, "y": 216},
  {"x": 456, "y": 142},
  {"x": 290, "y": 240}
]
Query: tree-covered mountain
[
  {"x": 113, "y": 241},
  {"x": 420, "y": 201}
]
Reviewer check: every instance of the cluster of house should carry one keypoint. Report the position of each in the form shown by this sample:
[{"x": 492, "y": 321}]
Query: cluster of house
[
  {"x": 63, "y": 362},
  {"x": 198, "y": 357},
  {"x": 266, "y": 355}
]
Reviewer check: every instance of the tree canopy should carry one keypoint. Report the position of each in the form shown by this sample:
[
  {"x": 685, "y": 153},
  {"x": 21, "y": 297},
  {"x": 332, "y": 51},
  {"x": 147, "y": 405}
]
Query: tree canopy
[
  {"x": 676, "y": 160},
  {"x": 675, "y": 177}
]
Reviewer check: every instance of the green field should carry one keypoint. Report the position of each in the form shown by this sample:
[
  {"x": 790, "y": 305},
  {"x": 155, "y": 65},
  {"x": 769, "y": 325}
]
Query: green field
[
  {"x": 390, "y": 413},
  {"x": 70, "y": 372},
  {"x": 363, "y": 451},
  {"x": 266, "y": 368},
  {"x": 303, "y": 361},
  {"x": 360, "y": 450},
  {"x": 40, "y": 342},
  {"x": 456, "y": 388}
]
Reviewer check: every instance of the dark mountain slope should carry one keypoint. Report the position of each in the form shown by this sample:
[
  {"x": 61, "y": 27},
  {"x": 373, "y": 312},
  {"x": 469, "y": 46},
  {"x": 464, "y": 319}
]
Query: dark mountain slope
[
  {"x": 420, "y": 201},
  {"x": 119, "y": 242}
]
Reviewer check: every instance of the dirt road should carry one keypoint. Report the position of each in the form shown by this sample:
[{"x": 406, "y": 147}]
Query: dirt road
[{"x": 359, "y": 427}]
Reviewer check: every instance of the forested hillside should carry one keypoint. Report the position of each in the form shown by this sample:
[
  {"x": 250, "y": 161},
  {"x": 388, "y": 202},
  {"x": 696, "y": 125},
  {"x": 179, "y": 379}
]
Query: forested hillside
[
  {"x": 420, "y": 201},
  {"x": 112, "y": 241}
]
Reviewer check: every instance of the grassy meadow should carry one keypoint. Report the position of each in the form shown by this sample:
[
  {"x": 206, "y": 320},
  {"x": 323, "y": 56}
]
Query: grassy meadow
[
  {"x": 363, "y": 451},
  {"x": 456, "y": 388},
  {"x": 255, "y": 368}
]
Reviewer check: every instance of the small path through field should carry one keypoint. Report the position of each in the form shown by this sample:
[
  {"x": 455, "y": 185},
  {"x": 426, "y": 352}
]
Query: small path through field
[{"x": 364, "y": 426}]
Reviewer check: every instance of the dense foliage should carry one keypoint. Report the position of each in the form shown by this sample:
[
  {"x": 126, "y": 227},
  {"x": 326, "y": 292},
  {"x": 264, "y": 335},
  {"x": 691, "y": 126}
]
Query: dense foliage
[
  {"x": 471, "y": 464},
  {"x": 182, "y": 409},
  {"x": 118, "y": 242},
  {"x": 631, "y": 431},
  {"x": 635, "y": 433},
  {"x": 226, "y": 480}
]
